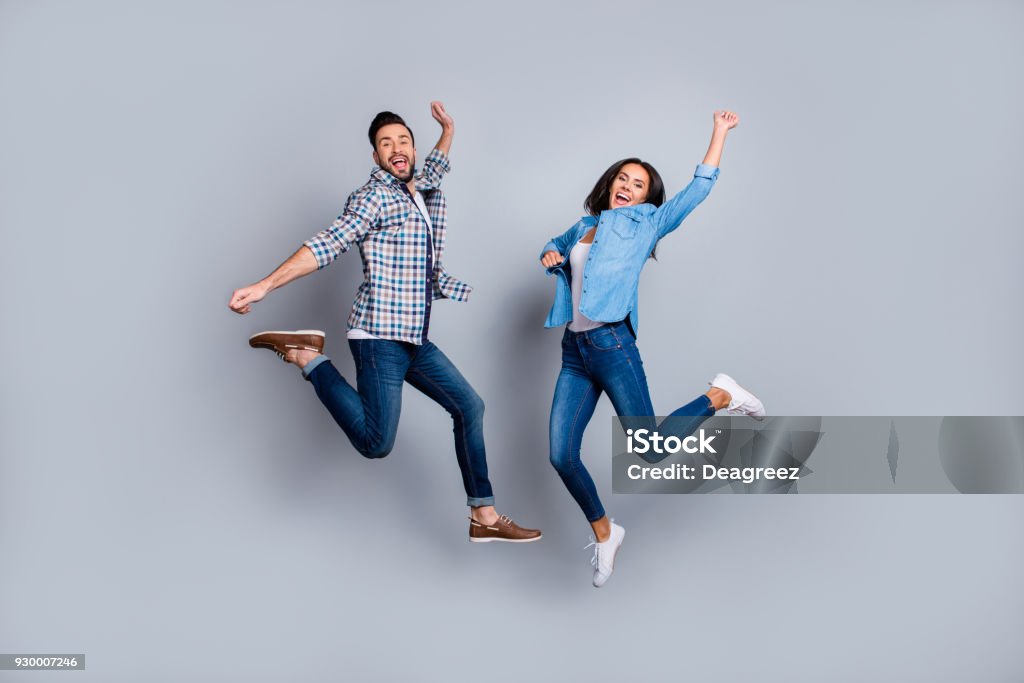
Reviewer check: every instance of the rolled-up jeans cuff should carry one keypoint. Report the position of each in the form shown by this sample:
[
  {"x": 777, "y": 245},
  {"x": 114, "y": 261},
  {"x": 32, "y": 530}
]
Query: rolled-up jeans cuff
[
  {"x": 480, "y": 502},
  {"x": 313, "y": 365}
]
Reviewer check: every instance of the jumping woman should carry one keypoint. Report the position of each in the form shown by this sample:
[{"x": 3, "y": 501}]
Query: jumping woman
[{"x": 598, "y": 263}]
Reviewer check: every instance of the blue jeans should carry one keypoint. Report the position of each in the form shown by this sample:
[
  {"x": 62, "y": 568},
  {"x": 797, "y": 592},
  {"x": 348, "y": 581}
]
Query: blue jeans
[
  {"x": 605, "y": 359},
  {"x": 369, "y": 415}
]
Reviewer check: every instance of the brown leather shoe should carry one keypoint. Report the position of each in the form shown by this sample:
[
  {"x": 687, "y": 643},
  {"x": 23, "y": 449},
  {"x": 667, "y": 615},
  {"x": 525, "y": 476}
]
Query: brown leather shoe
[
  {"x": 502, "y": 530},
  {"x": 281, "y": 342}
]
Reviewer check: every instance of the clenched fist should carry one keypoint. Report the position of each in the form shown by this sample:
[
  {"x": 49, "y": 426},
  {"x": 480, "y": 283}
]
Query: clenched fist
[
  {"x": 726, "y": 120},
  {"x": 551, "y": 258},
  {"x": 242, "y": 299}
]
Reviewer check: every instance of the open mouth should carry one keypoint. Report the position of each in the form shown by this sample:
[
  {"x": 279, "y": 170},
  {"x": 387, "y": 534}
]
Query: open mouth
[
  {"x": 621, "y": 199},
  {"x": 399, "y": 163}
]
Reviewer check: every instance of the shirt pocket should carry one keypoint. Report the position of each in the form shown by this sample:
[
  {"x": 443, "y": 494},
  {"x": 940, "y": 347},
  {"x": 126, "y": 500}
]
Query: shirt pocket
[{"x": 625, "y": 227}]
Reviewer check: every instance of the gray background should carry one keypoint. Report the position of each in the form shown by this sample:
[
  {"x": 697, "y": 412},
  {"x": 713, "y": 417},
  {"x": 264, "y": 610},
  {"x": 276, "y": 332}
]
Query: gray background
[{"x": 174, "y": 503}]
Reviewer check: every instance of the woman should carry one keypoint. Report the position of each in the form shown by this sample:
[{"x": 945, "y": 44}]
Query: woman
[{"x": 598, "y": 263}]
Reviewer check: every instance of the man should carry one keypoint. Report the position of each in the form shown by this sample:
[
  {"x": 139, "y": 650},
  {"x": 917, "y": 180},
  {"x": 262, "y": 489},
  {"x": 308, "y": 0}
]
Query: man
[{"x": 398, "y": 220}]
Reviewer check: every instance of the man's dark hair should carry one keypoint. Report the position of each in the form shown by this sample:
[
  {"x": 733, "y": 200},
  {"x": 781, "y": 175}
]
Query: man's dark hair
[
  {"x": 386, "y": 118},
  {"x": 597, "y": 200}
]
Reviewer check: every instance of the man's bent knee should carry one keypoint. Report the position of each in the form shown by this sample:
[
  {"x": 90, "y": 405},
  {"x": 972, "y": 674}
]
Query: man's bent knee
[
  {"x": 470, "y": 408},
  {"x": 375, "y": 451}
]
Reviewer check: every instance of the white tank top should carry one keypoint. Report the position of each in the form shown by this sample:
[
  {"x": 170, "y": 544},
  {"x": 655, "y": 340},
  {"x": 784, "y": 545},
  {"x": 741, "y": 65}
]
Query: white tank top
[{"x": 577, "y": 264}]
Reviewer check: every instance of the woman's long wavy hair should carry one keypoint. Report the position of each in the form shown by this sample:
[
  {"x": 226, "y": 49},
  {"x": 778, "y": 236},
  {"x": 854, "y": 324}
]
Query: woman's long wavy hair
[{"x": 597, "y": 200}]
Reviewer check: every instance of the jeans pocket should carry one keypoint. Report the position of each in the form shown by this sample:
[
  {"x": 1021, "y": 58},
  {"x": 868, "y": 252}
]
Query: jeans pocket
[{"x": 605, "y": 339}]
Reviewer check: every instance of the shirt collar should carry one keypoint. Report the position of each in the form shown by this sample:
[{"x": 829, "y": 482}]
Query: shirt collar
[
  {"x": 636, "y": 212},
  {"x": 383, "y": 176}
]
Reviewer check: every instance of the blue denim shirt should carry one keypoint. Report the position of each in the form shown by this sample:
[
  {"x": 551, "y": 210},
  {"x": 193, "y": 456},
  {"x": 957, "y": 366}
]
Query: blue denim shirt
[{"x": 622, "y": 244}]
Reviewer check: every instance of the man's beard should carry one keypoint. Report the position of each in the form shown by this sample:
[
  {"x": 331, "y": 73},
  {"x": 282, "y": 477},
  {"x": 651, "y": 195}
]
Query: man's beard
[{"x": 409, "y": 171}]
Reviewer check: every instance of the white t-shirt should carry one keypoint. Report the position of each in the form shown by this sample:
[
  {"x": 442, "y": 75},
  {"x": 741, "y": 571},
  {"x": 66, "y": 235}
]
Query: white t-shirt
[
  {"x": 358, "y": 333},
  {"x": 577, "y": 264}
]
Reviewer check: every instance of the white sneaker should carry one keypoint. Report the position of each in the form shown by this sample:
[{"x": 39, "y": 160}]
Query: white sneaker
[
  {"x": 743, "y": 402},
  {"x": 604, "y": 554}
]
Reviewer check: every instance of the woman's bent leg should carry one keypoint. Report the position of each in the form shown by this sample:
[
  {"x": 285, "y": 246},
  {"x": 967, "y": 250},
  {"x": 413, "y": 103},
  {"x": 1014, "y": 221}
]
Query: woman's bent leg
[
  {"x": 620, "y": 370},
  {"x": 684, "y": 421}
]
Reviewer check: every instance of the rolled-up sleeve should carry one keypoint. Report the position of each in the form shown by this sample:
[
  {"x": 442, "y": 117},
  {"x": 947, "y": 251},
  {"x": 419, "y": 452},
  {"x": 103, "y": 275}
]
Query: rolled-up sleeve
[
  {"x": 435, "y": 166},
  {"x": 360, "y": 214},
  {"x": 670, "y": 214}
]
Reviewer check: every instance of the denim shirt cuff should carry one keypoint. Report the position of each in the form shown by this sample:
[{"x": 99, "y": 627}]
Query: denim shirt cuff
[
  {"x": 550, "y": 246},
  {"x": 706, "y": 171}
]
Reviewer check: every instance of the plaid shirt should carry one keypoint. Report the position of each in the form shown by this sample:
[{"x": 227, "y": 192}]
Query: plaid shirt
[{"x": 402, "y": 271}]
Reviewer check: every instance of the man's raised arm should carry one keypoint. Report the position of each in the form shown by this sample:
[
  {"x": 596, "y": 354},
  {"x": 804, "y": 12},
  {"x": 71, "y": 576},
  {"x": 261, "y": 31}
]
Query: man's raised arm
[{"x": 435, "y": 165}]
